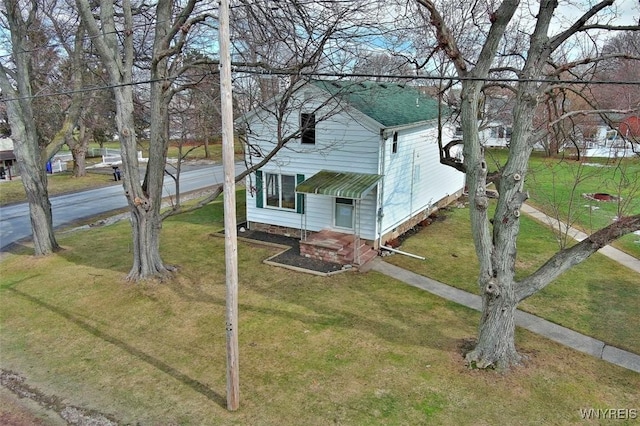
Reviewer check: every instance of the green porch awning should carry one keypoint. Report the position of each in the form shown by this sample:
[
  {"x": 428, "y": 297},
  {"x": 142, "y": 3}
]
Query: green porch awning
[{"x": 339, "y": 184}]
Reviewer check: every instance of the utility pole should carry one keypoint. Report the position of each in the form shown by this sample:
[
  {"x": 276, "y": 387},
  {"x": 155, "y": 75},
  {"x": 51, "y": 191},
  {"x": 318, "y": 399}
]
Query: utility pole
[{"x": 230, "y": 232}]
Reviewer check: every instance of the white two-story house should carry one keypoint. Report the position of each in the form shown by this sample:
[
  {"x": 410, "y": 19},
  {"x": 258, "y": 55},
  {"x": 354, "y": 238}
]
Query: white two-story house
[{"x": 360, "y": 165}]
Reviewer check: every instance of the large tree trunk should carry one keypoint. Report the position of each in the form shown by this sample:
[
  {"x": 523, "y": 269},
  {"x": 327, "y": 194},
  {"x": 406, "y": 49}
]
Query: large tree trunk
[
  {"x": 146, "y": 245},
  {"x": 34, "y": 180},
  {"x": 147, "y": 222},
  {"x": 79, "y": 148},
  {"x": 32, "y": 169},
  {"x": 496, "y": 344},
  {"x": 79, "y": 153},
  {"x": 144, "y": 200},
  {"x": 33, "y": 175},
  {"x": 25, "y": 134}
]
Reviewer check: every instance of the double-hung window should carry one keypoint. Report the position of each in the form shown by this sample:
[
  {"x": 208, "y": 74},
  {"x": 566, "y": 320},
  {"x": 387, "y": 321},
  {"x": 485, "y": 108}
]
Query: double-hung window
[{"x": 280, "y": 191}]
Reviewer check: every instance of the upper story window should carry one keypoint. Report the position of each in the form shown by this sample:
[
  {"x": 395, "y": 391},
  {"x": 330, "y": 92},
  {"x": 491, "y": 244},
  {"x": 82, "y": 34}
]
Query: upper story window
[
  {"x": 308, "y": 128},
  {"x": 394, "y": 147}
]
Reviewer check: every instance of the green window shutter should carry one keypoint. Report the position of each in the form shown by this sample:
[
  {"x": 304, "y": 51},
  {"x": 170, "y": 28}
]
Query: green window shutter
[
  {"x": 300, "y": 196},
  {"x": 259, "y": 192}
]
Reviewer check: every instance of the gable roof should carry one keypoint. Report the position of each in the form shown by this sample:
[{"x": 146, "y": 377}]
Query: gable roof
[{"x": 390, "y": 104}]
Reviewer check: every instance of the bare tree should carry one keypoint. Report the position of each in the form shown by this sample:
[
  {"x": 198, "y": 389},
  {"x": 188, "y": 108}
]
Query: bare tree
[
  {"x": 275, "y": 44},
  {"x": 115, "y": 43},
  {"x": 495, "y": 237},
  {"x": 30, "y": 147},
  {"x": 73, "y": 44}
]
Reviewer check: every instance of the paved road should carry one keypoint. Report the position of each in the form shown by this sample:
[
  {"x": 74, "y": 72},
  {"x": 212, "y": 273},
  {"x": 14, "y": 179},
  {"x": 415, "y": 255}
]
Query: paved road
[{"x": 15, "y": 224}]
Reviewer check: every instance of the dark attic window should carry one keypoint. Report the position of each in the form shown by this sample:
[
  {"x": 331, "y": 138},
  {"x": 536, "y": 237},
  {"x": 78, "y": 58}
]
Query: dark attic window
[
  {"x": 394, "y": 147},
  {"x": 308, "y": 128}
]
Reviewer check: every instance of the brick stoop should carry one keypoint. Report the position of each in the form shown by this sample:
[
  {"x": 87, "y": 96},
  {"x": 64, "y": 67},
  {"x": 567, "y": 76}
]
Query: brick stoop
[{"x": 335, "y": 247}]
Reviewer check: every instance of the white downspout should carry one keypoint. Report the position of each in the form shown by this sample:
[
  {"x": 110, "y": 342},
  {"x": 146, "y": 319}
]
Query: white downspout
[
  {"x": 381, "y": 168},
  {"x": 403, "y": 252}
]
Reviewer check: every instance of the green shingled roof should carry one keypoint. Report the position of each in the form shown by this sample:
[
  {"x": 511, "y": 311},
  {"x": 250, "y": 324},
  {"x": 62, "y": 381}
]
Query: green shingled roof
[
  {"x": 390, "y": 104},
  {"x": 339, "y": 184}
]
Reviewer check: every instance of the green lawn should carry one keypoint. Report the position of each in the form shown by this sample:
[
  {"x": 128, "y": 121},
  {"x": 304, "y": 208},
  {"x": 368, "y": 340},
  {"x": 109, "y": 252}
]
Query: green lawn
[
  {"x": 348, "y": 349},
  {"x": 598, "y": 297},
  {"x": 557, "y": 187}
]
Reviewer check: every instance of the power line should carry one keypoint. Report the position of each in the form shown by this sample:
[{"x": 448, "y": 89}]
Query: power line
[
  {"x": 243, "y": 69},
  {"x": 438, "y": 78}
]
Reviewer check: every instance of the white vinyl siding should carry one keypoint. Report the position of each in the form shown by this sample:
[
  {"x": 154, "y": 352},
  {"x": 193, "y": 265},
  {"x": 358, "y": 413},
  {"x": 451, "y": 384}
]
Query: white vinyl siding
[
  {"x": 414, "y": 178},
  {"x": 346, "y": 141},
  {"x": 342, "y": 143}
]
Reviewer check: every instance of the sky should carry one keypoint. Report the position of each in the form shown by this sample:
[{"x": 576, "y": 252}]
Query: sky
[{"x": 628, "y": 11}]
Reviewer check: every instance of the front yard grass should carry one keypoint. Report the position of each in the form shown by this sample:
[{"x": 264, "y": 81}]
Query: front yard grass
[
  {"x": 348, "y": 349},
  {"x": 599, "y": 297}
]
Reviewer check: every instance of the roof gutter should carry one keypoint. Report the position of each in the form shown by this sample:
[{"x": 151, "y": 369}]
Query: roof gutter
[{"x": 387, "y": 131}]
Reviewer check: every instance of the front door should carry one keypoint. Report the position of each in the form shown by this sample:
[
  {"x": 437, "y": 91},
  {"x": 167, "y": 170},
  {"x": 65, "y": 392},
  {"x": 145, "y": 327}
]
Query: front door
[{"x": 344, "y": 213}]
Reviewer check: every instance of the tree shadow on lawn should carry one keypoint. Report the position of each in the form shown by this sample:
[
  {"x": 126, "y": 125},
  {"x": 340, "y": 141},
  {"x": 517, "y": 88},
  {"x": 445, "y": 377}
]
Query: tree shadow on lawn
[
  {"x": 398, "y": 324},
  {"x": 160, "y": 365},
  {"x": 18, "y": 248}
]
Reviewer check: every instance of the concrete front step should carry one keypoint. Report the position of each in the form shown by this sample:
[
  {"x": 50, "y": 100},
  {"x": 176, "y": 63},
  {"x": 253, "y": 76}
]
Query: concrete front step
[
  {"x": 367, "y": 256},
  {"x": 335, "y": 247}
]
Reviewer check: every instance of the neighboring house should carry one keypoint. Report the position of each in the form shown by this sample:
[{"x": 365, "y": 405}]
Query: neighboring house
[
  {"x": 611, "y": 143},
  {"x": 364, "y": 168},
  {"x": 7, "y": 159},
  {"x": 629, "y": 129},
  {"x": 495, "y": 135}
]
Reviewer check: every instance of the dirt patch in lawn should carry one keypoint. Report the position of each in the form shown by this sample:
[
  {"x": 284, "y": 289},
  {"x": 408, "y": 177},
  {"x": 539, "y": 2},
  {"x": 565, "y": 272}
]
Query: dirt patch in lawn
[{"x": 23, "y": 412}]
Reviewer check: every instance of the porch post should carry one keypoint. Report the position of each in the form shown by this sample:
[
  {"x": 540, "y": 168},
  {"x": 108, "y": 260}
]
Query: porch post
[
  {"x": 356, "y": 235},
  {"x": 303, "y": 219}
]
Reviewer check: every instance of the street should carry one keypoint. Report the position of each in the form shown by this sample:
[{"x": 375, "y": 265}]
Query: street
[{"x": 15, "y": 223}]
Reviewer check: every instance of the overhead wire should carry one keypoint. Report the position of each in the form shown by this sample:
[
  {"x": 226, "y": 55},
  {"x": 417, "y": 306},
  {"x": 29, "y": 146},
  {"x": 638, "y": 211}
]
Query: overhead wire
[{"x": 261, "y": 71}]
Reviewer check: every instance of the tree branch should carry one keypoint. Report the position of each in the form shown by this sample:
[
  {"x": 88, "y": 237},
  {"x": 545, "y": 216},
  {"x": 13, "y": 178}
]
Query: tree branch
[
  {"x": 446, "y": 41},
  {"x": 565, "y": 259},
  {"x": 559, "y": 69},
  {"x": 579, "y": 25},
  {"x": 589, "y": 112}
]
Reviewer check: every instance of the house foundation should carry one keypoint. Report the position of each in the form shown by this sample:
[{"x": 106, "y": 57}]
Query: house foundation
[
  {"x": 320, "y": 253},
  {"x": 417, "y": 218}
]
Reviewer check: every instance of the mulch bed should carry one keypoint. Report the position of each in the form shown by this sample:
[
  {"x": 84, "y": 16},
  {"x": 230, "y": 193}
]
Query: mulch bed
[{"x": 290, "y": 257}]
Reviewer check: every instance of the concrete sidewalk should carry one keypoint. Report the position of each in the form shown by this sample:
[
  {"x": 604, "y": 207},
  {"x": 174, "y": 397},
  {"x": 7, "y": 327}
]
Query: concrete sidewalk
[
  {"x": 540, "y": 326},
  {"x": 611, "y": 252}
]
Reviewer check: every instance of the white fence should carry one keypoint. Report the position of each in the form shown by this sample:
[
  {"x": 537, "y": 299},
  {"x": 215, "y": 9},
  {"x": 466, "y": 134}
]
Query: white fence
[
  {"x": 114, "y": 156},
  {"x": 57, "y": 165}
]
